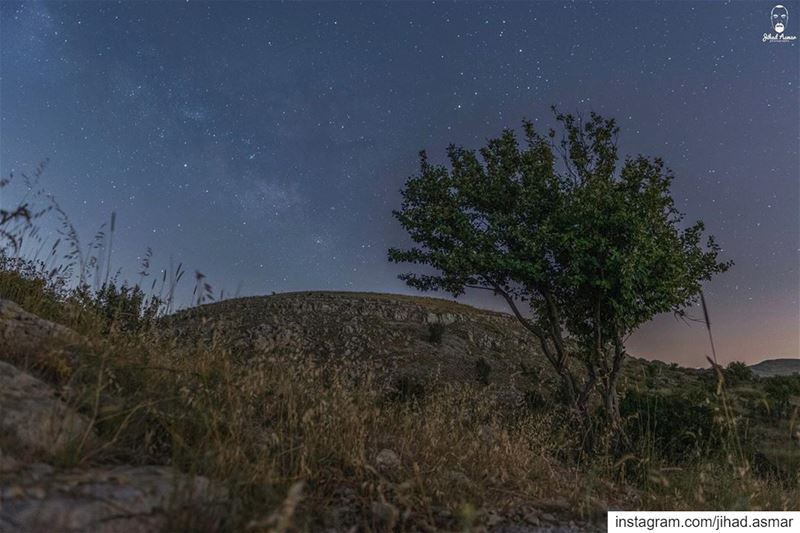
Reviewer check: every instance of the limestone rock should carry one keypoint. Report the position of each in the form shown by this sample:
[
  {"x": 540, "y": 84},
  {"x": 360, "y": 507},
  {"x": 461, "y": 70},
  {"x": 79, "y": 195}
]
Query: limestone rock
[
  {"x": 392, "y": 330},
  {"x": 24, "y": 336},
  {"x": 32, "y": 417},
  {"x": 113, "y": 500},
  {"x": 387, "y": 461},
  {"x": 384, "y": 514},
  {"x": 441, "y": 318}
]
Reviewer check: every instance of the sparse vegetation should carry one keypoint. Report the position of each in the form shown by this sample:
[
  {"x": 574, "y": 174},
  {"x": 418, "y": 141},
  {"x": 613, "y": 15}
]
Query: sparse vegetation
[
  {"x": 436, "y": 332},
  {"x": 482, "y": 371},
  {"x": 738, "y": 373}
]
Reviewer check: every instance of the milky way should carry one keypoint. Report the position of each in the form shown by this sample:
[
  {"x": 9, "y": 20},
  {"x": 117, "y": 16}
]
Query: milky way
[{"x": 265, "y": 143}]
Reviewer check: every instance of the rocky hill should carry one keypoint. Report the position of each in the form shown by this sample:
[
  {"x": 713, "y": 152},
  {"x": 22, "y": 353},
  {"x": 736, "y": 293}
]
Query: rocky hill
[
  {"x": 776, "y": 367},
  {"x": 414, "y": 339}
]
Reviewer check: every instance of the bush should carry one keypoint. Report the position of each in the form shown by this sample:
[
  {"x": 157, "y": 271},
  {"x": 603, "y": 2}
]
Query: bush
[
  {"x": 779, "y": 391},
  {"x": 737, "y": 373},
  {"x": 123, "y": 308},
  {"x": 675, "y": 425},
  {"x": 482, "y": 371},
  {"x": 29, "y": 284},
  {"x": 436, "y": 332},
  {"x": 407, "y": 389}
]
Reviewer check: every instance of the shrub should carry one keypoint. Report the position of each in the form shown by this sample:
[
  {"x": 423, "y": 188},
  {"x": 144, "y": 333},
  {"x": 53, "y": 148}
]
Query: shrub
[
  {"x": 675, "y": 425},
  {"x": 123, "y": 308},
  {"x": 436, "y": 332},
  {"x": 737, "y": 373},
  {"x": 29, "y": 284},
  {"x": 407, "y": 389},
  {"x": 482, "y": 371},
  {"x": 779, "y": 391}
]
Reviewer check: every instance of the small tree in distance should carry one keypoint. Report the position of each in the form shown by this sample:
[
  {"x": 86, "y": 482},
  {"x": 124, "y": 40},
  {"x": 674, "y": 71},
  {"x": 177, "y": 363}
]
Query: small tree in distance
[{"x": 582, "y": 251}]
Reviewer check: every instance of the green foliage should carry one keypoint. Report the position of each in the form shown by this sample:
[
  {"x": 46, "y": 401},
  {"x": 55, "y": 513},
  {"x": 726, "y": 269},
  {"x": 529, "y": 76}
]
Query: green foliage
[
  {"x": 123, "y": 308},
  {"x": 737, "y": 373},
  {"x": 675, "y": 426},
  {"x": 584, "y": 235},
  {"x": 436, "y": 332},
  {"x": 29, "y": 284},
  {"x": 779, "y": 391},
  {"x": 482, "y": 371},
  {"x": 592, "y": 248}
]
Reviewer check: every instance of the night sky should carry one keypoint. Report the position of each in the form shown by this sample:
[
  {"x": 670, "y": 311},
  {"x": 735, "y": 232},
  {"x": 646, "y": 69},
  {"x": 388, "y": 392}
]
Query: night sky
[{"x": 265, "y": 143}]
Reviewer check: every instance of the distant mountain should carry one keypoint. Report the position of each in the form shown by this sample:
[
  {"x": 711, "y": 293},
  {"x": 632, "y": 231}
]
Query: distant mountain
[{"x": 777, "y": 367}]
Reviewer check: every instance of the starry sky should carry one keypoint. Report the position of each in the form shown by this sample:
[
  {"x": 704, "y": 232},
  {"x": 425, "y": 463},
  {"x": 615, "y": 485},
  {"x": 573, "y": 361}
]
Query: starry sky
[{"x": 265, "y": 143}]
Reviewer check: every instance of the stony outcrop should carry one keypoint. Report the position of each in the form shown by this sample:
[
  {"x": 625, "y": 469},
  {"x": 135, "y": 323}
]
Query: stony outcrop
[
  {"x": 25, "y": 335},
  {"x": 33, "y": 419},
  {"x": 399, "y": 332},
  {"x": 36, "y": 425},
  {"x": 126, "y": 499}
]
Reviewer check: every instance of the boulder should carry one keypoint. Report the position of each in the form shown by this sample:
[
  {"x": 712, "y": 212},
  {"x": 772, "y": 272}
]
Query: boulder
[
  {"x": 33, "y": 340},
  {"x": 384, "y": 515},
  {"x": 125, "y": 499},
  {"x": 33, "y": 418},
  {"x": 387, "y": 461}
]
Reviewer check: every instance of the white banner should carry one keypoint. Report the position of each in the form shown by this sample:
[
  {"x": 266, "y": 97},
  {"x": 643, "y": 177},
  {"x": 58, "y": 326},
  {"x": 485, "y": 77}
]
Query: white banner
[{"x": 721, "y": 521}]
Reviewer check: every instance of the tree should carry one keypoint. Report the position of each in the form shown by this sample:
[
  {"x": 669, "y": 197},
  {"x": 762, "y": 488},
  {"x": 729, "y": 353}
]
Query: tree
[
  {"x": 737, "y": 373},
  {"x": 582, "y": 251}
]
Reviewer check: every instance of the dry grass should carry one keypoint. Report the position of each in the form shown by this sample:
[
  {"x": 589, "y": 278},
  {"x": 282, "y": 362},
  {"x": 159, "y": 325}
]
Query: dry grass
[
  {"x": 299, "y": 440},
  {"x": 263, "y": 428}
]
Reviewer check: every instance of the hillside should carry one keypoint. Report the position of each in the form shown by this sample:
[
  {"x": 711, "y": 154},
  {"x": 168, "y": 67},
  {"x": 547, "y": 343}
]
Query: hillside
[
  {"x": 352, "y": 411},
  {"x": 417, "y": 344},
  {"x": 415, "y": 340},
  {"x": 776, "y": 367}
]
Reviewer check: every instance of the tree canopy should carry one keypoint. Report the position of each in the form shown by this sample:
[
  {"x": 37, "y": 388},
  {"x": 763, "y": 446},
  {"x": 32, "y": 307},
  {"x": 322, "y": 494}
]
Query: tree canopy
[{"x": 582, "y": 248}]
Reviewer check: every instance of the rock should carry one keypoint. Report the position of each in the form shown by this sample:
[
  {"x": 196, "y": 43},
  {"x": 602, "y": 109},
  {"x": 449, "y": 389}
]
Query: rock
[
  {"x": 388, "y": 330},
  {"x": 384, "y": 514},
  {"x": 532, "y": 518},
  {"x": 493, "y": 519},
  {"x": 457, "y": 479},
  {"x": 487, "y": 434},
  {"x": 33, "y": 418},
  {"x": 342, "y": 510},
  {"x": 23, "y": 334},
  {"x": 122, "y": 499},
  {"x": 442, "y": 513},
  {"x": 440, "y": 318},
  {"x": 387, "y": 461},
  {"x": 8, "y": 463}
]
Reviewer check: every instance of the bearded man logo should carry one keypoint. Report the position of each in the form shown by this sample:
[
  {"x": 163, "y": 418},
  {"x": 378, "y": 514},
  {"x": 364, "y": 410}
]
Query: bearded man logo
[
  {"x": 778, "y": 19},
  {"x": 779, "y": 16}
]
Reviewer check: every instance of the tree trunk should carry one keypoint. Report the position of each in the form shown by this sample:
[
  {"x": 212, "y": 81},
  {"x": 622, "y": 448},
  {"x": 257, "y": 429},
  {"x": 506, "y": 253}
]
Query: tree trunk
[{"x": 611, "y": 399}]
